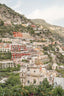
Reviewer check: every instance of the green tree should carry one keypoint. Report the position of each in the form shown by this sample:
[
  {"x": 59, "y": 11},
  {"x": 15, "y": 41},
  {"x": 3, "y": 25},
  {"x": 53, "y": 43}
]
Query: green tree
[
  {"x": 1, "y": 23},
  {"x": 45, "y": 89},
  {"x": 58, "y": 91}
]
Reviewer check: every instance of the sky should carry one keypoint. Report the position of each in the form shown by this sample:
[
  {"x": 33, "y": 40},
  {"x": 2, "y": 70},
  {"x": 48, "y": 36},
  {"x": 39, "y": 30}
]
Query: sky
[{"x": 52, "y": 11}]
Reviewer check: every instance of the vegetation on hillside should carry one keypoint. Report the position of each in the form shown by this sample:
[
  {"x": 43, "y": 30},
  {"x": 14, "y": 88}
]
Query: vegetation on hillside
[
  {"x": 5, "y": 55},
  {"x": 7, "y": 31},
  {"x": 13, "y": 87}
]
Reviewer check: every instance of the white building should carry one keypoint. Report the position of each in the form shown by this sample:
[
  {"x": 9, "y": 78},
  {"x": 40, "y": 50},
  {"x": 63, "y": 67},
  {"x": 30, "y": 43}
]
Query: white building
[
  {"x": 33, "y": 75},
  {"x": 6, "y": 64},
  {"x": 59, "y": 81},
  {"x": 5, "y": 47}
]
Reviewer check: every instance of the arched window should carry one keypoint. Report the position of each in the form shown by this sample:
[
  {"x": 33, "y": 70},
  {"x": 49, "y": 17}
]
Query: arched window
[
  {"x": 28, "y": 81},
  {"x": 34, "y": 81},
  {"x": 34, "y": 71}
]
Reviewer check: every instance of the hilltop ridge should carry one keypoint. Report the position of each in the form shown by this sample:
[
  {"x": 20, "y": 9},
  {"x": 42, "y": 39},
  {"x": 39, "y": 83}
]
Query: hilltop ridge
[
  {"x": 10, "y": 16},
  {"x": 58, "y": 30},
  {"x": 13, "y": 21}
]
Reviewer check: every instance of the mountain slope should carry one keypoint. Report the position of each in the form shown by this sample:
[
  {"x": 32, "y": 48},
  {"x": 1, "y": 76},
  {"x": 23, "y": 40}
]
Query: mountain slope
[
  {"x": 57, "y": 30},
  {"x": 10, "y": 16},
  {"x": 11, "y": 21},
  {"x": 40, "y": 22}
]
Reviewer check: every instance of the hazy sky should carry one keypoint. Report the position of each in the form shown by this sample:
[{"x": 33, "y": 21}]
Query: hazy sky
[{"x": 50, "y": 10}]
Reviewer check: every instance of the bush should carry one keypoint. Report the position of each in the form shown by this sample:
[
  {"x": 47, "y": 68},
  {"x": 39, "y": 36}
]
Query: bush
[
  {"x": 1, "y": 23},
  {"x": 5, "y": 55},
  {"x": 13, "y": 87}
]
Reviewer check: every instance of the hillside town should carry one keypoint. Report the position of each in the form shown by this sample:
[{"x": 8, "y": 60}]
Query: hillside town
[
  {"x": 37, "y": 61},
  {"x": 31, "y": 49}
]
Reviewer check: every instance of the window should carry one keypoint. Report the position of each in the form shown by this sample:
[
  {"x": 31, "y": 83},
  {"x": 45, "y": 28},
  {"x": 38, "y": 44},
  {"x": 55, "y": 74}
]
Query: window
[
  {"x": 28, "y": 81},
  {"x": 28, "y": 69},
  {"x": 34, "y": 81},
  {"x": 22, "y": 80},
  {"x": 34, "y": 71}
]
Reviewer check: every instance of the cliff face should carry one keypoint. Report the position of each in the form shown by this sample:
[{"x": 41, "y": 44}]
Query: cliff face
[
  {"x": 10, "y": 16},
  {"x": 11, "y": 21}
]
